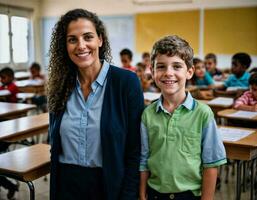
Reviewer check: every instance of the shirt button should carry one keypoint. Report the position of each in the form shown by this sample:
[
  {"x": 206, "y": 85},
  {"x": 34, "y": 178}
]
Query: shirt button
[{"x": 172, "y": 196}]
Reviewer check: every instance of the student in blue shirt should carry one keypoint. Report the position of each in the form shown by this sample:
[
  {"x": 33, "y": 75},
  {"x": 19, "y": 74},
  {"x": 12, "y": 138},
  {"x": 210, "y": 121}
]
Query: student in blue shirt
[
  {"x": 201, "y": 77},
  {"x": 95, "y": 111},
  {"x": 239, "y": 77}
]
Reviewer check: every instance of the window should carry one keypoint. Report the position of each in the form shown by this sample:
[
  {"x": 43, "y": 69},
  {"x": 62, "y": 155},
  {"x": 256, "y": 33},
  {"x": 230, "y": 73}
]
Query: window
[
  {"x": 4, "y": 40},
  {"x": 15, "y": 26},
  {"x": 19, "y": 39}
]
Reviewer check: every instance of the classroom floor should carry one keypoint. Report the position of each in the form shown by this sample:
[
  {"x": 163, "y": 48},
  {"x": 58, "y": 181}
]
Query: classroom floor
[{"x": 227, "y": 191}]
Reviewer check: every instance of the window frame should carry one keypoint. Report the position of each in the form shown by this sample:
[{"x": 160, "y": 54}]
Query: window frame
[{"x": 12, "y": 11}]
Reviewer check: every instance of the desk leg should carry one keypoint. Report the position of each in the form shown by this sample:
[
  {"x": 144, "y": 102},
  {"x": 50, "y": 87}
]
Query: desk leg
[
  {"x": 31, "y": 190},
  {"x": 252, "y": 179},
  {"x": 238, "y": 180},
  {"x": 244, "y": 176}
]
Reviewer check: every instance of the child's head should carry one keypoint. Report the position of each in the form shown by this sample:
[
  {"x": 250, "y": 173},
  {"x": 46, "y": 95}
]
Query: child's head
[
  {"x": 146, "y": 58},
  {"x": 6, "y": 75},
  {"x": 199, "y": 68},
  {"x": 210, "y": 61},
  {"x": 35, "y": 69},
  {"x": 240, "y": 63},
  {"x": 126, "y": 57},
  {"x": 140, "y": 71},
  {"x": 253, "y": 84},
  {"x": 172, "y": 61}
]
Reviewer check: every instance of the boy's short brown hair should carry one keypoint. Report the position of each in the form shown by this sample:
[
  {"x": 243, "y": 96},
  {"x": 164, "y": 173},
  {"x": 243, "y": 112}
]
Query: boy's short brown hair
[{"x": 173, "y": 45}]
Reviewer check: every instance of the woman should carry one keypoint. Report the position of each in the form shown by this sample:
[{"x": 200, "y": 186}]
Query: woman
[{"x": 95, "y": 111}]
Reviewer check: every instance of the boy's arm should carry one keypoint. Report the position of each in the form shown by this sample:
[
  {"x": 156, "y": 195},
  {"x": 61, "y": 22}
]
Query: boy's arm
[
  {"x": 209, "y": 183},
  {"x": 143, "y": 185},
  {"x": 144, "y": 171},
  {"x": 247, "y": 108}
]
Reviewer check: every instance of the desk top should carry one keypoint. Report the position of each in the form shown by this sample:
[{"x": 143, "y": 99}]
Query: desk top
[
  {"x": 9, "y": 109},
  {"x": 4, "y": 93},
  {"x": 243, "y": 149},
  {"x": 22, "y": 75},
  {"x": 25, "y": 159},
  {"x": 13, "y": 130},
  {"x": 227, "y": 114},
  {"x": 221, "y": 102},
  {"x": 248, "y": 141},
  {"x": 26, "y": 83}
]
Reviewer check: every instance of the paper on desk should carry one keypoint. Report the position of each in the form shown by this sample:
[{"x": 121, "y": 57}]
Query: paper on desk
[
  {"x": 151, "y": 96},
  {"x": 233, "y": 134},
  {"x": 224, "y": 101},
  {"x": 236, "y": 88},
  {"x": 244, "y": 114},
  {"x": 4, "y": 92}
]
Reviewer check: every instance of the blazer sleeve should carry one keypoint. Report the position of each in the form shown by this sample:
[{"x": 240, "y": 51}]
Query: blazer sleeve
[{"x": 135, "y": 103}]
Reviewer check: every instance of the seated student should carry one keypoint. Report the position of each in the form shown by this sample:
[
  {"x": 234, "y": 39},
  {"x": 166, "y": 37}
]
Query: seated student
[
  {"x": 248, "y": 101},
  {"x": 146, "y": 82},
  {"x": 239, "y": 79},
  {"x": 146, "y": 60},
  {"x": 126, "y": 58},
  {"x": 181, "y": 148},
  {"x": 39, "y": 99},
  {"x": 7, "y": 78},
  {"x": 35, "y": 69},
  {"x": 210, "y": 61},
  {"x": 201, "y": 77}
]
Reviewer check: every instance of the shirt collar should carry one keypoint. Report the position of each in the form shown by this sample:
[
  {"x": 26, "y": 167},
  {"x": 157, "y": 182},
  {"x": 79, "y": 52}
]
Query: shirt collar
[
  {"x": 189, "y": 103},
  {"x": 244, "y": 76},
  {"x": 100, "y": 78}
]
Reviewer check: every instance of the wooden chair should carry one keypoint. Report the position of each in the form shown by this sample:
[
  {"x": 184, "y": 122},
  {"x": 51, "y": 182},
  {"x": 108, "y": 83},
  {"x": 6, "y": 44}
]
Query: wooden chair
[{"x": 26, "y": 164}]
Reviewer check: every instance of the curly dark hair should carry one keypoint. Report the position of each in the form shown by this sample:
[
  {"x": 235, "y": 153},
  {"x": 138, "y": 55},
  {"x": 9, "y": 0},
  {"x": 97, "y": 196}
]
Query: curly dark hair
[
  {"x": 62, "y": 71},
  {"x": 173, "y": 45}
]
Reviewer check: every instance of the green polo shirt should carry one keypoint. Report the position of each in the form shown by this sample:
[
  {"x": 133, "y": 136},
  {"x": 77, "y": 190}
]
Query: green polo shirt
[{"x": 175, "y": 145}]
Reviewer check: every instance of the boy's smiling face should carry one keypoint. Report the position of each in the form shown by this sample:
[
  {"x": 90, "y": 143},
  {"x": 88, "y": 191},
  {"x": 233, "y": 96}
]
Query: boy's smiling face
[{"x": 170, "y": 74}]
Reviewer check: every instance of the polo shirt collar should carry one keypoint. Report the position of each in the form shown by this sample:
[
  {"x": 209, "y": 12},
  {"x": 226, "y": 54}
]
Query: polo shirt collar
[{"x": 189, "y": 103}]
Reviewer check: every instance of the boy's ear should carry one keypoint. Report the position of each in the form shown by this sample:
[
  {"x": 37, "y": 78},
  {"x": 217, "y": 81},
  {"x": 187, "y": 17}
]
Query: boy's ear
[
  {"x": 152, "y": 71},
  {"x": 190, "y": 72}
]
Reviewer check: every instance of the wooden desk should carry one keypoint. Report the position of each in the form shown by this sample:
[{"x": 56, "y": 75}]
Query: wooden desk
[
  {"x": 31, "y": 86},
  {"x": 244, "y": 149},
  {"x": 4, "y": 94},
  {"x": 14, "y": 110},
  {"x": 226, "y": 114},
  {"x": 22, "y": 75},
  {"x": 22, "y": 128},
  {"x": 26, "y": 164},
  {"x": 217, "y": 107}
]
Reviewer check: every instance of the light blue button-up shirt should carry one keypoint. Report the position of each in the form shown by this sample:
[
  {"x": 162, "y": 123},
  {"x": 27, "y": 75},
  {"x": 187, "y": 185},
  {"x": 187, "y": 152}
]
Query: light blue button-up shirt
[{"x": 80, "y": 126}]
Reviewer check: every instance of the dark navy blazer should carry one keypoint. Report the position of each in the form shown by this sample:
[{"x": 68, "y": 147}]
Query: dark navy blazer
[{"x": 120, "y": 136}]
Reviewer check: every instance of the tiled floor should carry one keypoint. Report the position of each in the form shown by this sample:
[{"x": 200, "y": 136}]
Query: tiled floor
[{"x": 227, "y": 191}]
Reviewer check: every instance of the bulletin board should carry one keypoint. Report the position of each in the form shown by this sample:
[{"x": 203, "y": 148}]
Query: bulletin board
[
  {"x": 228, "y": 31},
  {"x": 152, "y": 26}
]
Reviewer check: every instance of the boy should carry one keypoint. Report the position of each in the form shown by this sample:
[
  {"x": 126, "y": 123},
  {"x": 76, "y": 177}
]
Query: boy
[
  {"x": 7, "y": 77},
  {"x": 35, "y": 69},
  {"x": 248, "y": 101},
  {"x": 126, "y": 58},
  {"x": 181, "y": 148},
  {"x": 239, "y": 77},
  {"x": 210, "y": 61}
]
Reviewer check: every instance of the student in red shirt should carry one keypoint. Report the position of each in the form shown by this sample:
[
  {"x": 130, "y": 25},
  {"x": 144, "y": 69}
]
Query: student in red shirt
[
  {"x": 126, "y": 58},
  {"x": 7, "y": 77}
]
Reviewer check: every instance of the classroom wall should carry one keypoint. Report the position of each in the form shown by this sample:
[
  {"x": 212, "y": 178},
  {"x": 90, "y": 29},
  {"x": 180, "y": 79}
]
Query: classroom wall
[{"x": 122, "y": 12}]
